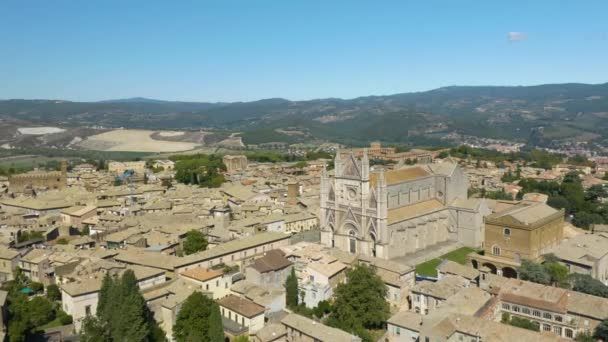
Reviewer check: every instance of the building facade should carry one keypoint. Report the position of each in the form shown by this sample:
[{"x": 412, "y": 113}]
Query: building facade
[
  {"x": 389, "y": 214},
  {"x": 527, "y": 230},
  {"x": 39, "y": 179}
]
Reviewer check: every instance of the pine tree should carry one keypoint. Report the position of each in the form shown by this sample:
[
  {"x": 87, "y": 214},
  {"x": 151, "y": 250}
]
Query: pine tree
[{"x": 291, "y": 289}]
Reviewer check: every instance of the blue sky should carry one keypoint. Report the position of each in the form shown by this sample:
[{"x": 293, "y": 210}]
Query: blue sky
[{"x": 246, "y": 50}]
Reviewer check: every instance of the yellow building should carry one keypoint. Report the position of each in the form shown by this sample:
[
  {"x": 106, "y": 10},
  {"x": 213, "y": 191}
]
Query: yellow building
[{"x": 526, "y": 230}]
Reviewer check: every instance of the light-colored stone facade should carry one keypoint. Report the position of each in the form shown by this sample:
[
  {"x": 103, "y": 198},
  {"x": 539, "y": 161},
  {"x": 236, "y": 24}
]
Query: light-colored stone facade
[
  {"x": 235, "y": 163},
  {"x": 39, "y": 180},
  {"x": 389, "y": 214}
]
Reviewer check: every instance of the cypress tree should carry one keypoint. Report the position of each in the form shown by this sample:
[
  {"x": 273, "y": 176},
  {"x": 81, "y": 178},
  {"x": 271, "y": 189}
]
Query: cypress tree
[
  {"x": 216, "y": 328},
  {"x": 291, "y": 289},
  {"x": 104, "y": 295},
  {"x": 129, "y": 322}
]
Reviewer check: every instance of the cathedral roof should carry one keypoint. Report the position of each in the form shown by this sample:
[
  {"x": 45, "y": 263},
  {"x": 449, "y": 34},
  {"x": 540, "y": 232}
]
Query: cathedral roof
[
  {"x": 400, "y": 176},
  {"x": 414, "y": 210}
]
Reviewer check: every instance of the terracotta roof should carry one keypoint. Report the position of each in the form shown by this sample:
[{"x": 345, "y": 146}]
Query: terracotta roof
[
  {"x": 241, "y": 306},
  {"x": 201, "y": 274},
  {"x": 272, "y": 261}
]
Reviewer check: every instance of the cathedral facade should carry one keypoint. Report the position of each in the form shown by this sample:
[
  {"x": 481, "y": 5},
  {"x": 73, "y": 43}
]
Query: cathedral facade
[{"x": 393, "y": 213}]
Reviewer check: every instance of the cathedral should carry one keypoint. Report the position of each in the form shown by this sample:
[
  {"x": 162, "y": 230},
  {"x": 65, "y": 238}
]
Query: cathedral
[{"x": 392, "y": 213}]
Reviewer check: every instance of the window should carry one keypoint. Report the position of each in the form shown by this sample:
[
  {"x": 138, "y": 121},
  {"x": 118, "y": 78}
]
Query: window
[
  {"x": 515, "y": 308},
  {"x": 526, "y": 311},
  {"x": 87, "y": 310},
  {"x": 536, "y": 313},
  {"x": 558, "y": 318},
  {"x": 242, "y": 320},
  {"x": 397, "y": 331},
  {"x": 207, "y": 287},
  {"x": 547, "y": 315},
  {"x": 495, "y": 250},
  {"x": 507, "y": 232},
  {"x": 217, "y": 283},
  {"x": 506, "y": 306},
  {"x": 557, "y": 330},
  {"x": 569, "y": 333},
  {"x": 546, "y": 327}
]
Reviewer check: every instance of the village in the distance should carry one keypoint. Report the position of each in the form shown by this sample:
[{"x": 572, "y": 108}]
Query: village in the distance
[{"x": 351, "y": 244}]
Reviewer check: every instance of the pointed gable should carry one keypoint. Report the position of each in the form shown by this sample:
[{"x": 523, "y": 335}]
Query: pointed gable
[
  {"x": 350, "y": 216},
  {"x": 351, "y": 167}
]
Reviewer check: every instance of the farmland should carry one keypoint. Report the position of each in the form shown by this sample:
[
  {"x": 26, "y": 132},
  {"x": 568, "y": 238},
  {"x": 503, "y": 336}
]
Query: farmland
[{"x": 134, "y": 140}]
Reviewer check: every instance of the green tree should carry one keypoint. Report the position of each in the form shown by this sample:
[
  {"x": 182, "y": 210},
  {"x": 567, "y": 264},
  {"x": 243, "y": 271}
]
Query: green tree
[
  {"x": 195, "y": 242},
  {"x": 601, "y": 331},
  {"x": 94, "y": 330},
  {"x": 587, "y": 284},
  {"x": 122, "y": 314},
  {"x": 198, "y": 320},
  {"x": 533, "y": 272},
  {"x": 585, "y": 337},
  {"x": 62, "y": 241},
  {"x": 53, "y": 293},
  {"x": 241, "y": 338},
  {"x": 129, "y": 323},
  {"x": 559, "y": 202},
  {"x": 584, "y": 219},
  {"x": 291, "y": 289},
  {"x": 557, "y": 272},
  {"x": 360, "y": 302}
]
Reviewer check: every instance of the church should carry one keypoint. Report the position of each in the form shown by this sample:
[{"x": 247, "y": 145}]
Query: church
[{"x": 392, "y": 213}]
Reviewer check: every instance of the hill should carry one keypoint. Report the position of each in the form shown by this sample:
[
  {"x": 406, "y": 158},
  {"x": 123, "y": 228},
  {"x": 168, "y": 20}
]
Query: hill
[{"x": 547, "y": 114}]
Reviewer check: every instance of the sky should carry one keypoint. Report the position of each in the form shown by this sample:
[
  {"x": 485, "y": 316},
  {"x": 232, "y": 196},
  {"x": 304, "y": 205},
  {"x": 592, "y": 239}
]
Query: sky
[{"x": 253, "y": 49}]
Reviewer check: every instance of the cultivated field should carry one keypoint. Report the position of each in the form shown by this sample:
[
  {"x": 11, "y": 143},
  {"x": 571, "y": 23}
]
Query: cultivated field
[
  {"x": 39, "y": 130},
  {"x": 135, "y": 141}
]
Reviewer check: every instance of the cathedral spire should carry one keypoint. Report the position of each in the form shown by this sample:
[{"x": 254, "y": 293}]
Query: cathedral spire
[
  {"x": 365, "y": 166},
  {"x": 338, "y": 163}
]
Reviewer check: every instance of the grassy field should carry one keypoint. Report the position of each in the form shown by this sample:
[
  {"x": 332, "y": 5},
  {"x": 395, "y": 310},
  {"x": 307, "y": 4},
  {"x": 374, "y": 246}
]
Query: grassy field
[{"x": 428, "y": 268}]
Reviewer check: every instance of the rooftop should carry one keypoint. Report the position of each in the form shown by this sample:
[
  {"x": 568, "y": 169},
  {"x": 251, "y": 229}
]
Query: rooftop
[
  {"x": 317, "y": 330},
  {"x": 201, "y": 274},
  {"x": 241, "y": 306}
]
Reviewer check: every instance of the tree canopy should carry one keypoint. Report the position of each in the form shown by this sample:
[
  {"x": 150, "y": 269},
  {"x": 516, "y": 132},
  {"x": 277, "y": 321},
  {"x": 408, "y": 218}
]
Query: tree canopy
[
  {"x": 122, "y": 314},
  {"x": 195, "y": 242},
  {"x": 199, "y": 320},
  {"x": 199, "y": 169},
  {"x": 291, "y": 289},
  {"x": 360, "y": 302}
]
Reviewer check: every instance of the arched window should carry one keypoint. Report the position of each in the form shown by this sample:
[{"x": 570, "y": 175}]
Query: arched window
[
  {"x": 352, "y": 242},
  {"x": 495, "y": 250},
  {"x": 373, "y": 237}
]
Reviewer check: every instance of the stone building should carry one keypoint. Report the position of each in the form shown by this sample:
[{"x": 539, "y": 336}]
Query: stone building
[
  {"x": 377, "y": 151},
  {"x": 39, "y": 179},
  {"x": 235, "y": 163},
  {"x": 389, "y": 214},
  {"x": 120, "y": 167},
  {"x": 527, "y": 230}
]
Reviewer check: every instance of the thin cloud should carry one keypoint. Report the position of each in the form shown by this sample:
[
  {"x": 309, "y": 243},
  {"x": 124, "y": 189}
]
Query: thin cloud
[{"x": 517, "y": 36}]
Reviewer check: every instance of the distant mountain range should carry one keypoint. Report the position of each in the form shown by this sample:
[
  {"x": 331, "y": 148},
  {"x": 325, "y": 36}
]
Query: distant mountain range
[{"x": 546, "y": 113}]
